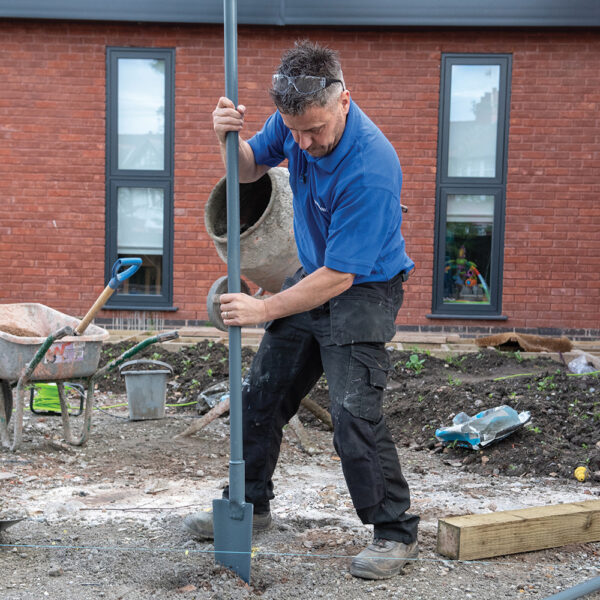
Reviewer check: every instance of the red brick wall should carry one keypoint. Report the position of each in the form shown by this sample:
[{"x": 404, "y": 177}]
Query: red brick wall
[{"x": 52, "y": 157}]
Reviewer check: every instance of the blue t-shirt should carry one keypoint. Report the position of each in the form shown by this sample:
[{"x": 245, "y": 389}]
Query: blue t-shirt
[{"x": 347, "y": 212}]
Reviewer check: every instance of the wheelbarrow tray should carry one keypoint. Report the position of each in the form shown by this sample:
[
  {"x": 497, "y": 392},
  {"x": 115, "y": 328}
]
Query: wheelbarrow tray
[{"x": 25, "y": 327}]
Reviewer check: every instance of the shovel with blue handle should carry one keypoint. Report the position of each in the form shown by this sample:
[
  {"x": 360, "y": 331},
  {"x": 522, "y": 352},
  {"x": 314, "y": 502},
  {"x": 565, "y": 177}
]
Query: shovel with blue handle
[
  {"x": 117, "y": 277},
  {"x": 232, "y": 517}
]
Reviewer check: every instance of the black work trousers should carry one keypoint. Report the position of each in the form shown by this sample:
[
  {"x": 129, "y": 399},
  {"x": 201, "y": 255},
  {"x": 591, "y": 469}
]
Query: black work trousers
[{"x": 345, "y": 339}]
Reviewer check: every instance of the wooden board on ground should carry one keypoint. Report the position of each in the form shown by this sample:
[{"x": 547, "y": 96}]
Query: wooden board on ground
[{"x": 472, "y": 537}]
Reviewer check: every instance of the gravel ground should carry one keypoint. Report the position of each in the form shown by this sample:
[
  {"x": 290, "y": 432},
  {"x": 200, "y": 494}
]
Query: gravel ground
[{"x": 104, "y": 521}]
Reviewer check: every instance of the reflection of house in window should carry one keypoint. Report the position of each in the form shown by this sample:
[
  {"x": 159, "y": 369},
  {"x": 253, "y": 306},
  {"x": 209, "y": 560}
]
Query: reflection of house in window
[
  {"x": 472, "y": 149},
  {"x": 486, "y": 110},
  {"x": 141, "y": 151}
]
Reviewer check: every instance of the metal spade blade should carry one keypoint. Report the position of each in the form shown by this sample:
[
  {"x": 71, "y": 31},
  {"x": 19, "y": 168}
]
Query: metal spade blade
[
  {"x": 233, "y": 535},
  {"x": 8, "y": 523}
]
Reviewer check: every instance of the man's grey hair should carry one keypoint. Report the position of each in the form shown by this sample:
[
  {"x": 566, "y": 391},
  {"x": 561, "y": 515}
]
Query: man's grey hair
[{"x": 308, "y": 58}]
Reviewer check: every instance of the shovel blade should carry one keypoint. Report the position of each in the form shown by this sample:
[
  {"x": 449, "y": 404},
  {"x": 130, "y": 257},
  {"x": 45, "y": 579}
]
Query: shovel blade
[
  {"x": 233, "y": 535},
  {"x": 8, "y": 523}
]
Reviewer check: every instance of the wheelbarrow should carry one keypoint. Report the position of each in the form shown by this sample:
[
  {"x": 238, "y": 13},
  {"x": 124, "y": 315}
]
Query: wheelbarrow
[
  {"x": 23, "y": 328},
  {"x": 52, "y": 353},
  {"x": 38, "y": 343}
]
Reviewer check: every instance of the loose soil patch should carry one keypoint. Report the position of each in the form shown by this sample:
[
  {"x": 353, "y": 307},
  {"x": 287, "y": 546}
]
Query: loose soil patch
[
  {"x": 564, "y": 430},
  {"x": 426, "y": 392}
]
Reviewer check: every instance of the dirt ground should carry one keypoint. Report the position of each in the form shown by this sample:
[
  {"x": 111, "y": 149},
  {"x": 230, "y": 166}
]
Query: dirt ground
[{"x": 104, "y": 520}]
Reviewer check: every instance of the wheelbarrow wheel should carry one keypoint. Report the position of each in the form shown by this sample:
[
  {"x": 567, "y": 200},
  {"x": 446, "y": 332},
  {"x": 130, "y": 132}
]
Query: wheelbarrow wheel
[{"x": 7, "y": 399}]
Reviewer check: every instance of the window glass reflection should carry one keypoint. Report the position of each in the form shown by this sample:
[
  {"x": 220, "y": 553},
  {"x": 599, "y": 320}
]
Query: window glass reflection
[
  {"x": 140, "y": 234},
  {"x": 473, "y": 120},
  {"x": 141, "y": 114}
]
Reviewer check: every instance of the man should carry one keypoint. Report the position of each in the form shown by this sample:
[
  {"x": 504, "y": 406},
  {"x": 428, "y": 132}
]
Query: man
[{"x": 336, "y": 313}]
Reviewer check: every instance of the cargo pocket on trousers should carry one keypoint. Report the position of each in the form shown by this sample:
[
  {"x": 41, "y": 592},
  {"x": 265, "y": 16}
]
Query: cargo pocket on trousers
[
  {"x": 361, "y": 316},
  {"x": 366, "y": 382}
]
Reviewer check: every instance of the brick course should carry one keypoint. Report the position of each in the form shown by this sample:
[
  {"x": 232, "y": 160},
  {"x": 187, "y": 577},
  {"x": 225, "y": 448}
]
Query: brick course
[{"x": 52, "y": 157}]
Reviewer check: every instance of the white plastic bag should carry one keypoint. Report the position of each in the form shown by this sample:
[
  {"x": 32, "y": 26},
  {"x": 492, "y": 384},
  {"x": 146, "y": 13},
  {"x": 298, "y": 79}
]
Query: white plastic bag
[{"x": 581, "y": 365}]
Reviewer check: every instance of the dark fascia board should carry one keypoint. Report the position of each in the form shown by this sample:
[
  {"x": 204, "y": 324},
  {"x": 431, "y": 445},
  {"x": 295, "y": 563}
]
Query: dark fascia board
[
  {"x": 163, "y": 11},
  {"x": 445, "y": 13}
]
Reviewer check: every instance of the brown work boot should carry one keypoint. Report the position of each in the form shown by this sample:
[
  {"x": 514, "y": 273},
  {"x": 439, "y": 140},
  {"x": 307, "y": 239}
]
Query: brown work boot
[
  {"x": 383, "y": 559},
  {"x": 200, "y": 525}
]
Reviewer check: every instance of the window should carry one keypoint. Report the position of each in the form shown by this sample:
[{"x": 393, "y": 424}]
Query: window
[
  {"x": 139, "y": 173},
  {"x": 471, "y": 186}
]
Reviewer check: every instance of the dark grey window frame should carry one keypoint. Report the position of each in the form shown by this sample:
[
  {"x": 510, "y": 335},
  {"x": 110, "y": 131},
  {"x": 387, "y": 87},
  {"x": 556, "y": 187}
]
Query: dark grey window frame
[
  {"x": 116, "y": 178},
  {"x": 492, "y": 186}
]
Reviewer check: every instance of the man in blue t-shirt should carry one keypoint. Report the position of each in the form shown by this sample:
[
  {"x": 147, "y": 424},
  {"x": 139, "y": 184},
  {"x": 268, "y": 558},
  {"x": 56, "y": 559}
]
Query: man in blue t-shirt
[{"x": 336, "y": 313}]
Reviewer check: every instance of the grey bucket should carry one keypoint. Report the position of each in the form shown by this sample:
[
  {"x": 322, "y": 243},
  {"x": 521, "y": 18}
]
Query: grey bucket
[
  {"x": 147, "y": 389},
  {"x": 268, "y": 251}
]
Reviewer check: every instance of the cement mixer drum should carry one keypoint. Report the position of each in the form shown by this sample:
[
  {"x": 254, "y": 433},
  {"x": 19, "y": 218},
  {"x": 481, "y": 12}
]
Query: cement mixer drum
[{"x": 268, "y": 251}]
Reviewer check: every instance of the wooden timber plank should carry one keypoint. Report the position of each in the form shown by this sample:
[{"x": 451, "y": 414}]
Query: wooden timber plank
[{"x": 472, "y": 537}]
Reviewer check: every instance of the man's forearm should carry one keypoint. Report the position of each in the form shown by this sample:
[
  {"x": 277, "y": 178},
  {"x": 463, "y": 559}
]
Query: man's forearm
[
  {"x": 310, "y": 292},
  {"x": 249, "y": 171}
]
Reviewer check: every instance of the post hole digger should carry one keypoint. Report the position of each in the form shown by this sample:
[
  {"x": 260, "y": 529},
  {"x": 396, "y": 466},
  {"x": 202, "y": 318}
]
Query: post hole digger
[
  {"x": 233, "y": 515},
  {"x": 38, "y": 343}
]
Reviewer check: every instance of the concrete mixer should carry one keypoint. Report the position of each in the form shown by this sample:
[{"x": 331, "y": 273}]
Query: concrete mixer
[{"x": 268, "y": 251}]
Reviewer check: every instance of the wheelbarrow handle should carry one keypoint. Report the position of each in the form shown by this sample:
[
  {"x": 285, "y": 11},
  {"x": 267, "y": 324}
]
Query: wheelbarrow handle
[
  {"x": 167, "y": 335},
  {"x": 57, "y": 335},
  {"x": 161, "y": 337}
]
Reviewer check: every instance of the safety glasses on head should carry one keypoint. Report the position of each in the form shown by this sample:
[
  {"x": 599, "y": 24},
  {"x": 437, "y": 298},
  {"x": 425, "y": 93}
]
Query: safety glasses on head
[{"x": 303, "y": 84}]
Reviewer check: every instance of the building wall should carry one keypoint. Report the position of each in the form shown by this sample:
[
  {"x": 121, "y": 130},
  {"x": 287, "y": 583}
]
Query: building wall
[{"x": 52, "y": 158}]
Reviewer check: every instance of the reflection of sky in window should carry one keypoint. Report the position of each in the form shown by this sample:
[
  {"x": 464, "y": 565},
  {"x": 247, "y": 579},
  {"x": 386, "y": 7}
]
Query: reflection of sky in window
[
  {"x": 469, "y": 84},
  {"x": 141, "y": 96}
]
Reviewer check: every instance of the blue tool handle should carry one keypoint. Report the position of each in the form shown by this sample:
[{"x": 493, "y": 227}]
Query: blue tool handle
[{"x": 117, "y": 278}]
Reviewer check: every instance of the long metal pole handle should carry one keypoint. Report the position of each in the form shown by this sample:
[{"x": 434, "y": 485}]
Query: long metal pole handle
[{"x": 236, "y": 464}]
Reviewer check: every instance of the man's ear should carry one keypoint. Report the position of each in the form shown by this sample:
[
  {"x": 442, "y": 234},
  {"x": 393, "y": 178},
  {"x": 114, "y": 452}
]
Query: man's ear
[{"x": 345, "y": 101}]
